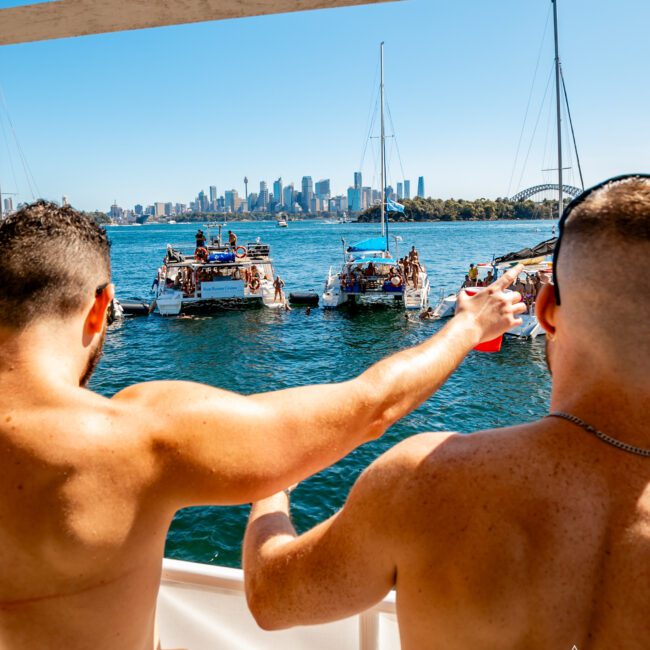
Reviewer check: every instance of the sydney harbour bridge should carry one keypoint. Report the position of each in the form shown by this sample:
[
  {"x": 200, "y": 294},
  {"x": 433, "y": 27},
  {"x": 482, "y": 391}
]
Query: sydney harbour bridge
[{"x": 528, "y": 193}]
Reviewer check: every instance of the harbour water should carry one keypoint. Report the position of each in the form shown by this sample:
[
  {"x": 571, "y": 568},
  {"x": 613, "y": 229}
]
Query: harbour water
[{"x": 253, "y": 351}]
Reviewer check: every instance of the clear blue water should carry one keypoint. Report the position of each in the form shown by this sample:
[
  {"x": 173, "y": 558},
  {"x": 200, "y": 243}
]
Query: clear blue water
[{"x": 259, "y": 350}]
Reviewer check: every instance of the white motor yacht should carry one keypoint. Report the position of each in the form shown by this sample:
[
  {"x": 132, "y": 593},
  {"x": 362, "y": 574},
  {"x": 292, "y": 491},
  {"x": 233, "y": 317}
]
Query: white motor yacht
[{"x": 216, "y": 275}]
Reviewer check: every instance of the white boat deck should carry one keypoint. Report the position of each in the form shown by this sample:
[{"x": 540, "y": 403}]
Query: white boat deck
[{"x": 203, "y": 607}]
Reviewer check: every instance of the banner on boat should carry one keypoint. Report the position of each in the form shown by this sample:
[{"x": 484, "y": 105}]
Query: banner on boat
[{"x": 222, "y": 289}]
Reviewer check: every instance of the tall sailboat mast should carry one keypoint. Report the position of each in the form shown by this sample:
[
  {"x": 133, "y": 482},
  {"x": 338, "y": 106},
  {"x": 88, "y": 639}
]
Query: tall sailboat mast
[
  {"x": 558, "y": 76},
  {"x": 384, "y": 228}
]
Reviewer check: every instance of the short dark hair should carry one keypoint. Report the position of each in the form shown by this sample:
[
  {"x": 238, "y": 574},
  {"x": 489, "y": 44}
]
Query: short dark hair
[
  {"x": 51, "y": 261},
  {"x": 620, "y": 208}
]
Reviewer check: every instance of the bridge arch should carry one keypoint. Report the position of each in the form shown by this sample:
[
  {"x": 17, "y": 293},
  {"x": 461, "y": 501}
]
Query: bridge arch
[{"x": 548, "y": 187}]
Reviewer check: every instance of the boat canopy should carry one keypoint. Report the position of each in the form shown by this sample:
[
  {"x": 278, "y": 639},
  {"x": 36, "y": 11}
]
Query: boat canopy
[
  {"x": 544, "y": 248},
  {"x": 368, "y": 245},
  {"x": 375, "y": 260}
]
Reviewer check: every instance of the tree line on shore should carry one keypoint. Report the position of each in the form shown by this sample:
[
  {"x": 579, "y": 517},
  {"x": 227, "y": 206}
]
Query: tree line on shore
[{"x": 419, "y": 209}]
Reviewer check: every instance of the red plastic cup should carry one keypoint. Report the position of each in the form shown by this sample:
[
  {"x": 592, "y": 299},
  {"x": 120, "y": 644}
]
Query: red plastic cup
[{"x": 488, "y": 346}]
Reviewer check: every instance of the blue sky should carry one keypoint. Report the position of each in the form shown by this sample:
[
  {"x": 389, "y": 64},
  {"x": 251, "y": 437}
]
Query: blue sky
[{"x": 157, "y": 115}]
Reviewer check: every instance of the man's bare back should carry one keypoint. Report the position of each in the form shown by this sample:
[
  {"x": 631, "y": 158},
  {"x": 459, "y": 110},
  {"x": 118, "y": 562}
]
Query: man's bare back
[{"x": 527, "y": 537}]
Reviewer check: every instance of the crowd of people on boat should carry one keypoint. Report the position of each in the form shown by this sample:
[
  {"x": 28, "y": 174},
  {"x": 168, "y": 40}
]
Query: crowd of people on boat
[
  {"x": 527, "y": 285},
  {"x": 403, "y": 274}
]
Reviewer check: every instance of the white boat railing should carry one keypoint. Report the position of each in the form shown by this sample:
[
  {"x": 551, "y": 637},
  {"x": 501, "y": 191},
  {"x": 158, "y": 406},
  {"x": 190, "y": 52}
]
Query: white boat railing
[{"x": 203, "y": 607}]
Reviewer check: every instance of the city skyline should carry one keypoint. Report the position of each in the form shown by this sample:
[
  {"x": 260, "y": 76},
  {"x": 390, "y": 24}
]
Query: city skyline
[
  {"x": 164, "y": 111},
  {"x": 314, "y": 198}
]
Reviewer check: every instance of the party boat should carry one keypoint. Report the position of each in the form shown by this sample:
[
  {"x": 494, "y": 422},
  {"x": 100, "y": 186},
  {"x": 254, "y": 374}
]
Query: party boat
[
  {"x": 216, "y": 275},
  {"x": 370, "y": 274}
]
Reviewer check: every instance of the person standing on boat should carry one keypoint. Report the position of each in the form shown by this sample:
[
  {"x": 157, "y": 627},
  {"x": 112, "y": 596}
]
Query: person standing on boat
[
  {"x": 200, "y": 239},
  {"x": 232, "y": 240},
  {"x": 536, "y": 536},
  {"x": 278, "y": 284},
  {"x": 473, "y": 274},
  {"x": 90, "y": 484}
]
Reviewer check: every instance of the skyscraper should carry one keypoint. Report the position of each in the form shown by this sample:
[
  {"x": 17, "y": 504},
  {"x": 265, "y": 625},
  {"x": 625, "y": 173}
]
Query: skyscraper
[
  {"x": 232, "y": 201},
  {"x": 307, "y": 192},
  {"x": 358, "y": 182},
  {"x": 400, "y": 191},
  {"x": 407, "y": 189},
  {"x": 322, "y": 189},
  {"x": 213, "y": 193},
  {"x": 202, "y": 202},
  {"x": 421, "y": 186},
  {"x": 277, "y": 191},
  {"x": 263, "y": 197},
  {"x": 288, "y": 197}
]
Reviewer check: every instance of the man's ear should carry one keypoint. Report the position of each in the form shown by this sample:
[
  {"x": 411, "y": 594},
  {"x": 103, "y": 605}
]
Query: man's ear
[
  {"x": 545, "y": 307},
  {"x": 96, "y": 317}
]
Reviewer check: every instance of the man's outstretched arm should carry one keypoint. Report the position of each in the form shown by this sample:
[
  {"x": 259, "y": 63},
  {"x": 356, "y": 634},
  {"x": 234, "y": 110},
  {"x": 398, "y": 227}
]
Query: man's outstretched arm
[{"x": 214, "y": 447}]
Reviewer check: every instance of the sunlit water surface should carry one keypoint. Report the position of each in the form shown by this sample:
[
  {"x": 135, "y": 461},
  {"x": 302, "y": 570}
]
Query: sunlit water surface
[{"x": 259, "y": 350}]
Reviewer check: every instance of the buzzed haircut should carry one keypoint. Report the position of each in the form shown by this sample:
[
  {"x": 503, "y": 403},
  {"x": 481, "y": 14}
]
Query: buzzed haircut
[
  {"x": 620, "y": 209},
  {"x": 52, "y": 259}
]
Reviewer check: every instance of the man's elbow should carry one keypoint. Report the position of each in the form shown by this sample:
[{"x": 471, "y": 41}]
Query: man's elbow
[{"x": 265, "y": 612}]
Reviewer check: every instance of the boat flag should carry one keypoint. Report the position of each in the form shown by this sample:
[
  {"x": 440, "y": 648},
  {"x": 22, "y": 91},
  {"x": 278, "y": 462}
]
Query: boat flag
[{"x": 394, "y": 206}]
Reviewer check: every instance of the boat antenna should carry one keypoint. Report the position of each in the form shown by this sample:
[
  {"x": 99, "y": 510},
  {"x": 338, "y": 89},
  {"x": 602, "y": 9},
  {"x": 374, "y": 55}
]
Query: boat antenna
[
  {"x": 384, "y": 224},
  {"x": 558, "y": 97}
]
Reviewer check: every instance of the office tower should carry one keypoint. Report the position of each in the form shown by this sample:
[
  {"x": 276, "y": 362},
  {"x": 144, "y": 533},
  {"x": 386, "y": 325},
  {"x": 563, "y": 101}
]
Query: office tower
[
  {"x": 277, "y": 190},
  {"x": 307, "y": 192},
  {"x": 400, "y": 191},
  {"x": 116, "y": 212},
  {"x": 180, "y": 208},
  {"x": 366, "y": 197},
  {"x": 252, "y": 201},
  {"x": 169, "y": 209},
  {"x": 159, "y": 209},
  {"x": 288, "y": 197},
  {"x": 322, "y": 189},
  {"x": 213, "y": 193},
  {"x": 9, "y": 205},
  {"x": 232, "y": 201},
  {"x": 407, "y": 189},
  {"x": 263, "y": 197},
  {"x": 138, "y": 209},
  {"x": 421, "y": 187},
  {"x": 202, "y": 202},
  {"x": 358, "y": 182},
  {"x": 354, "y": 199}
]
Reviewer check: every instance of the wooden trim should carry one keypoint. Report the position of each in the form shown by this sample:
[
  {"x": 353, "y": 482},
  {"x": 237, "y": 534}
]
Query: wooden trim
[{"x": 66, "y": 18}]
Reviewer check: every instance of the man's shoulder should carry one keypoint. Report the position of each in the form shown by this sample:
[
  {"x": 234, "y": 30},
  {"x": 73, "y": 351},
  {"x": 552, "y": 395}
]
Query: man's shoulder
[{"x": 448, "y": 471}]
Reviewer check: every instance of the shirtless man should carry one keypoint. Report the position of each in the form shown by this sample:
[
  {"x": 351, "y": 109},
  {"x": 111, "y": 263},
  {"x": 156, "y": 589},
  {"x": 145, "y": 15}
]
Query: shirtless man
[
  {"x": 536, "y": 536},
  {"x": 90, "y": 485},
  {"x": 278, "y": 284}
]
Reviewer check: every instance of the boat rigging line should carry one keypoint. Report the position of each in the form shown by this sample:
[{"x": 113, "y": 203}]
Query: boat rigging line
[
  {"x": 530, "y": 98},
  {"x": 573, "y": 134}
]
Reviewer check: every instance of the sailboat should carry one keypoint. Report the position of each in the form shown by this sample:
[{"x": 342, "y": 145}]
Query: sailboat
[
  {"x": 537, "y": 260},
  {"x": 370, "y": 274}
]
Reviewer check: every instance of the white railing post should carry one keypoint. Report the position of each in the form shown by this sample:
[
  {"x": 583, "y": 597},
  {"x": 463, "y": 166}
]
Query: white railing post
[{"x": 369, "y": 630}]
